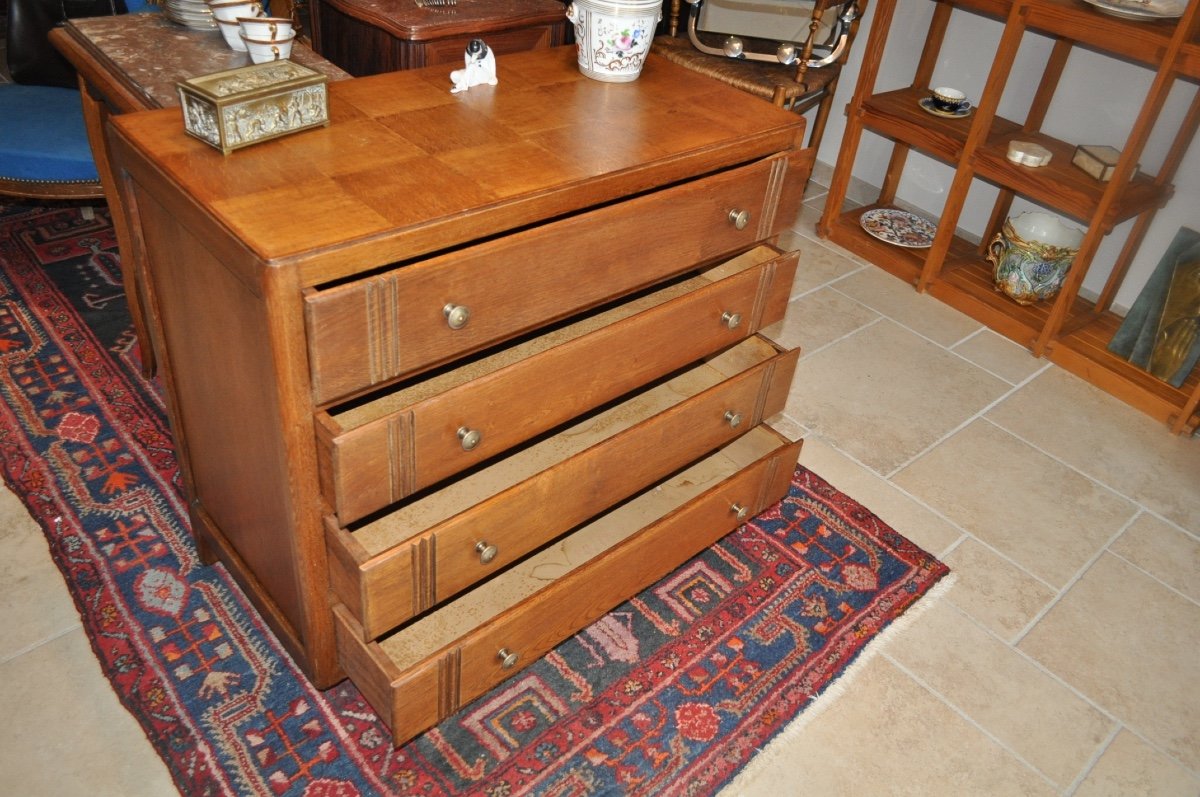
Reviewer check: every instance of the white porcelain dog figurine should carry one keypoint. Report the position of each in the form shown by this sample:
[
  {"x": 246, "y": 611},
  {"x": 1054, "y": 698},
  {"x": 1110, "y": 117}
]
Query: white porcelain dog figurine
[{"x": 479, "y": 67}]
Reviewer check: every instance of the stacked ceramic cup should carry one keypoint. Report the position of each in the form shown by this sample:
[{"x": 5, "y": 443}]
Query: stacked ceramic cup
[
  {"x": 226, "y": 13},
  {"x": 267, "y": 38}
]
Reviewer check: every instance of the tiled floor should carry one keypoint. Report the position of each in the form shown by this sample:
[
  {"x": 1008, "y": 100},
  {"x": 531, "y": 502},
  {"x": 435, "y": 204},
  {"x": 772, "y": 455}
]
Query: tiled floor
[{"x": 1064, "y": 659}]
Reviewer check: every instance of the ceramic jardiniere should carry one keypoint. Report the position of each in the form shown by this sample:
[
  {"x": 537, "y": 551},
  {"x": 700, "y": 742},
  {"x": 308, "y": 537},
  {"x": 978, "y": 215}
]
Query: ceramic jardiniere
[
  {"x": 613, "y": 38},
  {"x": 1032, "y": 254}
]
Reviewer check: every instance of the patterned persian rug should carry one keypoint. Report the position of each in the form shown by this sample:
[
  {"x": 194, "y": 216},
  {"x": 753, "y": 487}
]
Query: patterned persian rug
[{"x": 670, "y": 693}]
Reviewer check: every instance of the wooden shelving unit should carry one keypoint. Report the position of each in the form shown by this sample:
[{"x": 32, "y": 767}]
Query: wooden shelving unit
[{"x": 1069, "y": 330}]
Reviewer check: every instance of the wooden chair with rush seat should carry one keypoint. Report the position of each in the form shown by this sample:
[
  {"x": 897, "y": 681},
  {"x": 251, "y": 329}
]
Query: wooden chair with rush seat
[{"x": 798, "y": 73}]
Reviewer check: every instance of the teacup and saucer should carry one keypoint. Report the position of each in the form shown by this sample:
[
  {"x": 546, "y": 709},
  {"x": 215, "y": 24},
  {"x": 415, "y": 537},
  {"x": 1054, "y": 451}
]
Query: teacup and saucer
[{"x": 946, "y": 101}]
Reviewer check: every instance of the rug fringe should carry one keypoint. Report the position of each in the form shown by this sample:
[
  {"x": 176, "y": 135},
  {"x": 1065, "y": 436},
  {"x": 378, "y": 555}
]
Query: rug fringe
[{"x": 775, "y": 751}]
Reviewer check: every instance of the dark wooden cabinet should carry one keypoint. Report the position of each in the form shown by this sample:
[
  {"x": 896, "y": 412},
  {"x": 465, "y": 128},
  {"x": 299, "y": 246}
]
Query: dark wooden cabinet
[{"x": 366, "y": 37}]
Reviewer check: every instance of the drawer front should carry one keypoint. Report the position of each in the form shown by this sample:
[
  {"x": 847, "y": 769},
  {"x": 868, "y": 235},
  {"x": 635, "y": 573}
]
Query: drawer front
[
  {"x": 387, "y": 459},
  {"x": 412, "y": 700},
  {"x": 386, "y": 590},
  {"x": 423, "y": 314},
  {"x": 501, "y": 42}
]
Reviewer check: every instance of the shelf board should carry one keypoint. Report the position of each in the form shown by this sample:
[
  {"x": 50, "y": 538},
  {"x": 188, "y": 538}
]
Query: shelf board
[
  {"x": 897, "y": 115},
  {"x": 1060, "y": 184},
  {"x": 966, "y": 284},
  {"x": 901, "y": 262},
  {"x": 1137, "y": 41},
  {"x": 1085, "y": 353},
  {"x": 1142, "y": 42}
]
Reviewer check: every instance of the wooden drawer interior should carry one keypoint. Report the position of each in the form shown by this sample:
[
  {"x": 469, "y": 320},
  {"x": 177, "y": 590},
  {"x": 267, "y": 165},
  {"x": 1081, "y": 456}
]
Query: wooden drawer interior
[
  {"x": 398, "y": 323},
  {"x": 375, "y": 453},
  {"x": 430, "y": 668},
  {"x": 399, "y": 565}
]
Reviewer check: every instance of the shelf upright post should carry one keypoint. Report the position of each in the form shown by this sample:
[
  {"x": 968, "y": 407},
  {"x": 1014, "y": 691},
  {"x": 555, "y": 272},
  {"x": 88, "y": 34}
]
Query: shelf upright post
[
  {"x": 921, "y": 80},
  {"x": 964, "y": 174},
  {"x": 868, "y": 72},
  {"x": 1136, "y": 141},
  {"x": 1033, "y": 124},
  {"x": 1166, "y": 173}
]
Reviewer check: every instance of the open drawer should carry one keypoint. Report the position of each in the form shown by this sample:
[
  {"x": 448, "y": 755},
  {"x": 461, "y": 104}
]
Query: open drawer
[
  {"x": 398, "y": 566},
  {"x": 426, "y": 671},
  {"x": 418, "y": 315},
  {"x": 376, "y": 453}
]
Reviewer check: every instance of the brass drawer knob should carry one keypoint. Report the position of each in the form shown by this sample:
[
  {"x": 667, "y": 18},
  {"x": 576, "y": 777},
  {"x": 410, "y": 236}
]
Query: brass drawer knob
[
  {"x": 508, "y": 659},
  {"x": 469, "y": 437},
  {"x": 734, "y": 419},
  {"x": 740, "y": 511},
  {"x": 487, "y": 552},
  {"x": 740, "y": 218},
  {"x": 731, "y": 320},
  {"x": 457, "y": 315}
]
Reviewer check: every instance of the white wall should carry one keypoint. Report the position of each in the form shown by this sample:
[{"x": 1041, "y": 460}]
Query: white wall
[{"x": 1096, "y": 103}]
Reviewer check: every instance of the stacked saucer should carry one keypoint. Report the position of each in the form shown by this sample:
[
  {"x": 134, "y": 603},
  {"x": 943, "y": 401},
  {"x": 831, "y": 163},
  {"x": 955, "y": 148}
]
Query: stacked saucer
[{"x": 190, "y": 13}]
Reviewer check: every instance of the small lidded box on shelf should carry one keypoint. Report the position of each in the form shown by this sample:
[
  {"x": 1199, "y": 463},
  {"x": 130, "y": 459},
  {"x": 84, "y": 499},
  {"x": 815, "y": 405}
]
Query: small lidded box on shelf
[
  {"x": 1098, "y": 160},
  {"x": 251, "y": 104}
]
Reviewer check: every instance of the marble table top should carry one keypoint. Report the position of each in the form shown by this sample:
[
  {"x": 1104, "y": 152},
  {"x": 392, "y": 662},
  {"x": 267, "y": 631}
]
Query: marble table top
[{"x": 150, "y": 54}]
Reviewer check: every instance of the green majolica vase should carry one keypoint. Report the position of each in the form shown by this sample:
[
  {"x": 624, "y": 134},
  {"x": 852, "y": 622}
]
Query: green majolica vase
[{"x": 1032, "y": 254}]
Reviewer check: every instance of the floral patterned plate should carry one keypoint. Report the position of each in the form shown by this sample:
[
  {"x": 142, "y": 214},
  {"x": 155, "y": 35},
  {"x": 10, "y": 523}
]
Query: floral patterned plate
[{"x": 899, "y": 227}]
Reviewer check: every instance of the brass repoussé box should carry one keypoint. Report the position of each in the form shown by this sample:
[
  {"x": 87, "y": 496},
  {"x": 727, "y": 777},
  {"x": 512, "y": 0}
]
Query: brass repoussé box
[{"x": 251, "y": 104}]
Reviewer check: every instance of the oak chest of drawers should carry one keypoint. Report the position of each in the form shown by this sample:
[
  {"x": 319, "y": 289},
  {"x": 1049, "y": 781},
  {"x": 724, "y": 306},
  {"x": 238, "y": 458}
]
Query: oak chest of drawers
[{"x": 457, "y": 374}]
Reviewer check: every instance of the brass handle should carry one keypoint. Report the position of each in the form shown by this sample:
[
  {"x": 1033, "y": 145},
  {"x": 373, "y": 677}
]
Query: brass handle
[
  {"x": 731, "y": 320},
  {"x": 486, "y": 551},
  {"x": 734, "y": 419},
  {"x": 508, "y": 659},
  {"x": 469, "y": 437},
  {"x": 740, "y": 218},
  {"x": 457, "y": 315},
  {"x": 740, "y": 511}
]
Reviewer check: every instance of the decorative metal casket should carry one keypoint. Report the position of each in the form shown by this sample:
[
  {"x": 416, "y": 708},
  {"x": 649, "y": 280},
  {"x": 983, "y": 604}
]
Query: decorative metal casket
[{"x": 251, "y": 104}]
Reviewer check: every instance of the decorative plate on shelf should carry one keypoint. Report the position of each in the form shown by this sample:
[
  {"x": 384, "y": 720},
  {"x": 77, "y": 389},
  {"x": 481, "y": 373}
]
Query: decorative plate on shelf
[
  {"x": 1139, "y": 10},
  {"x": 927, "y": 105},
  {"x": 899, "y": 227}
]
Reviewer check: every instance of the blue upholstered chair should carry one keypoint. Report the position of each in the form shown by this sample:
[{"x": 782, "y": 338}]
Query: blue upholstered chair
[{"x": 44, "y": 152}]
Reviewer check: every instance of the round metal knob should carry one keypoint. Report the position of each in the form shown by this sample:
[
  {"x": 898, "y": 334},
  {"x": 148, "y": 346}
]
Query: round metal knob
[
  {"x": 469, "y": 437},
  {"x": 786, "y": 53},
  {"x": 740, "y": 511},
  {"x": 457, "y": 315},
  {"x": 733, "y": 47},
  {"x": 731, "y": 320},
  {"x": 486, "y": 552},
  {"x": 740, "y": 218},
  {"x": 734, "y": 419},
  {"x": 508, "y": 659}
]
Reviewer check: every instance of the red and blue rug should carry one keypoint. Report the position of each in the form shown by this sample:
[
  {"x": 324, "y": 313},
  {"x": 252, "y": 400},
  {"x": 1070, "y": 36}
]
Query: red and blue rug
[{"x": 670, "y": 693}]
